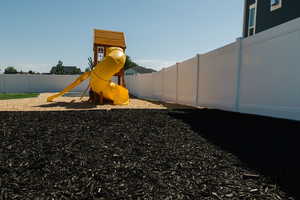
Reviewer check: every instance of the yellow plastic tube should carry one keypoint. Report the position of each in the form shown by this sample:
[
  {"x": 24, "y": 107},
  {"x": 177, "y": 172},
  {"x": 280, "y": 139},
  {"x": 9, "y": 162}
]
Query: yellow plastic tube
[
  {"x": 102, "y": 73},
  {"x": 100, "y": 78}
]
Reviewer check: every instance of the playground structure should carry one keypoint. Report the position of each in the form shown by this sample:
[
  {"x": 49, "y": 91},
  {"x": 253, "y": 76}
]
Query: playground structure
[{"x": 109, "y": 60}]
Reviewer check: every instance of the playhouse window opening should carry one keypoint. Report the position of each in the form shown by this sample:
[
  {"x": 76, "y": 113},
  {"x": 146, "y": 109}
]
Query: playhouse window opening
[{"x": 100, "y": 53}]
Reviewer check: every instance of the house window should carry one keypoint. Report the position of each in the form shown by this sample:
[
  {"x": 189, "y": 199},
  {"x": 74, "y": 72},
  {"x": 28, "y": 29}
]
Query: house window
[
  {"x": 252, "y": 19},
  {"x": 276, "y": 4}
]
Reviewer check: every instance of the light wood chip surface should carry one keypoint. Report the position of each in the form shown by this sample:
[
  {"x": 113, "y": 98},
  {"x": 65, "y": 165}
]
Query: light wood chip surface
[{"x": 74, "y": 103}]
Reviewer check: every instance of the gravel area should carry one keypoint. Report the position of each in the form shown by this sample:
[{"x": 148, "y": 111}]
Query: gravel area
[
  {"x": 75, "y": 103},
  {"x": 134, "y": 154}
]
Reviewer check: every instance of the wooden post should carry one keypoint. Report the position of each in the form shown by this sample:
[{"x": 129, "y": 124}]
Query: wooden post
[
  {"x": 101, "y": 99},
  {"x": 119, "y": 78},
  {"x": 123, "y": 77},
  {"x": 95, "y": 55}
]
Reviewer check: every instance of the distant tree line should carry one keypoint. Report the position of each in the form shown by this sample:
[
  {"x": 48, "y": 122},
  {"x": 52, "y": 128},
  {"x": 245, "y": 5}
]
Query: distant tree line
[{"x": 13, "y": 70}]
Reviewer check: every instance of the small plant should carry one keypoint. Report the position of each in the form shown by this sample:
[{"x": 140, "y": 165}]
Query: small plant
[{"x": 6, "y": 96}]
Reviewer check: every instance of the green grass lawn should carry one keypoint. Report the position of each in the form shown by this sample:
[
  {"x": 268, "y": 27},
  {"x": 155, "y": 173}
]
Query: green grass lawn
[{"x": 5, "y": 96}]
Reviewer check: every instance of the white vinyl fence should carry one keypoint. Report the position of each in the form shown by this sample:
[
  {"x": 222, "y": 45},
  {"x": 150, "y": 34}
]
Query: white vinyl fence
[
  {"x": 20, "y": 83},
  {"x": 256, "y": 75}
]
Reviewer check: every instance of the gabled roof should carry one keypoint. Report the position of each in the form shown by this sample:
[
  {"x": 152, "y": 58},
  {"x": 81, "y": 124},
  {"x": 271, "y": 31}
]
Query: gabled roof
[{"x": 109, "y": 38}]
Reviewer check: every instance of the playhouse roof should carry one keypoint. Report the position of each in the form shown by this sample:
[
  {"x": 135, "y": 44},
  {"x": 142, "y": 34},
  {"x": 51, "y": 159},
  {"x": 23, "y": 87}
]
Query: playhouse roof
[{"x": 109, "y": 38}]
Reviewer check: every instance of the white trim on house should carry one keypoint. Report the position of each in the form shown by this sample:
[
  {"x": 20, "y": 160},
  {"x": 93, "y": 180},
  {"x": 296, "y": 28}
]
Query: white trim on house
[
  {"x": 276, "y": 6},
  {"x": 253, "y": 26}
]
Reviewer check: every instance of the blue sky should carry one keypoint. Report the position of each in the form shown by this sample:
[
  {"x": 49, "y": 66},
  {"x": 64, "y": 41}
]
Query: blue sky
[{"x": 35, "y": 34}]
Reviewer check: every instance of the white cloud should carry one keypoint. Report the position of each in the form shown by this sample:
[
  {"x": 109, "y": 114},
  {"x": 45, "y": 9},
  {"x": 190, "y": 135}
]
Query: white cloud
[{"x": 155, "y": 63}]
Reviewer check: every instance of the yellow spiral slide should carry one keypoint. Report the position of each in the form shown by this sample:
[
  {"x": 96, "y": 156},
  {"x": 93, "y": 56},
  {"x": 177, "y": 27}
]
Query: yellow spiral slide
[{"x": 100, "y": 78}]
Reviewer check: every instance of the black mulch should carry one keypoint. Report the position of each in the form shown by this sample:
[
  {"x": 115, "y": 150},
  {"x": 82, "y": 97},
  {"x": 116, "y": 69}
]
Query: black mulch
[{"x": 146, "y": 154}]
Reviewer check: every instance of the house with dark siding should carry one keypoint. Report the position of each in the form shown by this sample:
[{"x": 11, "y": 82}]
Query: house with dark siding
[
  {"x": 138, "y": 70},
  {"x": 260, "y": 15},
  {"x": 66, "y": 70}
]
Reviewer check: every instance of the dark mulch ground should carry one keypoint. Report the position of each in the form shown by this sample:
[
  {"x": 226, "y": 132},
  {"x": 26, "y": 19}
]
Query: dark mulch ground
[{"x": 146, "y": 154}]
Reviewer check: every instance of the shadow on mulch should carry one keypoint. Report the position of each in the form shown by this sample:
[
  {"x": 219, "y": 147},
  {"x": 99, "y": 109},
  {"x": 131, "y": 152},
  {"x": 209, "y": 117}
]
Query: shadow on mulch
[
  {"x": 165, "y": 104},
  {"x": 172, "y": 106},
  {"x": 268, "y": 145},
  {"x": 69, "y": 105},
  {"x": 89, "y": 105}
]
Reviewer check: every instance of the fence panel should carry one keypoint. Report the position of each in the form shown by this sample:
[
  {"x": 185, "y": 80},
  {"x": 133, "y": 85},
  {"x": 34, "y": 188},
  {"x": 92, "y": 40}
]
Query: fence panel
[
  {"x": 128, "y": 82},
  {"x": 145, "y": 86},
  {"x": 15, "y": 83},
  {"x": 135, "y": 84},
  {"x": 187, "y": 82},
  {"x": 157, "y": 84},
  {"x": 38, "y": 83},
  {"x": 1, "y": 83},
  {"x": 169, "y": 84},
  {"x": 218, "y": 78},
  {"x": 54, "y": 83},
  {"x": 131, "y": 84},
  {"x": 270, "y": 72}
]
